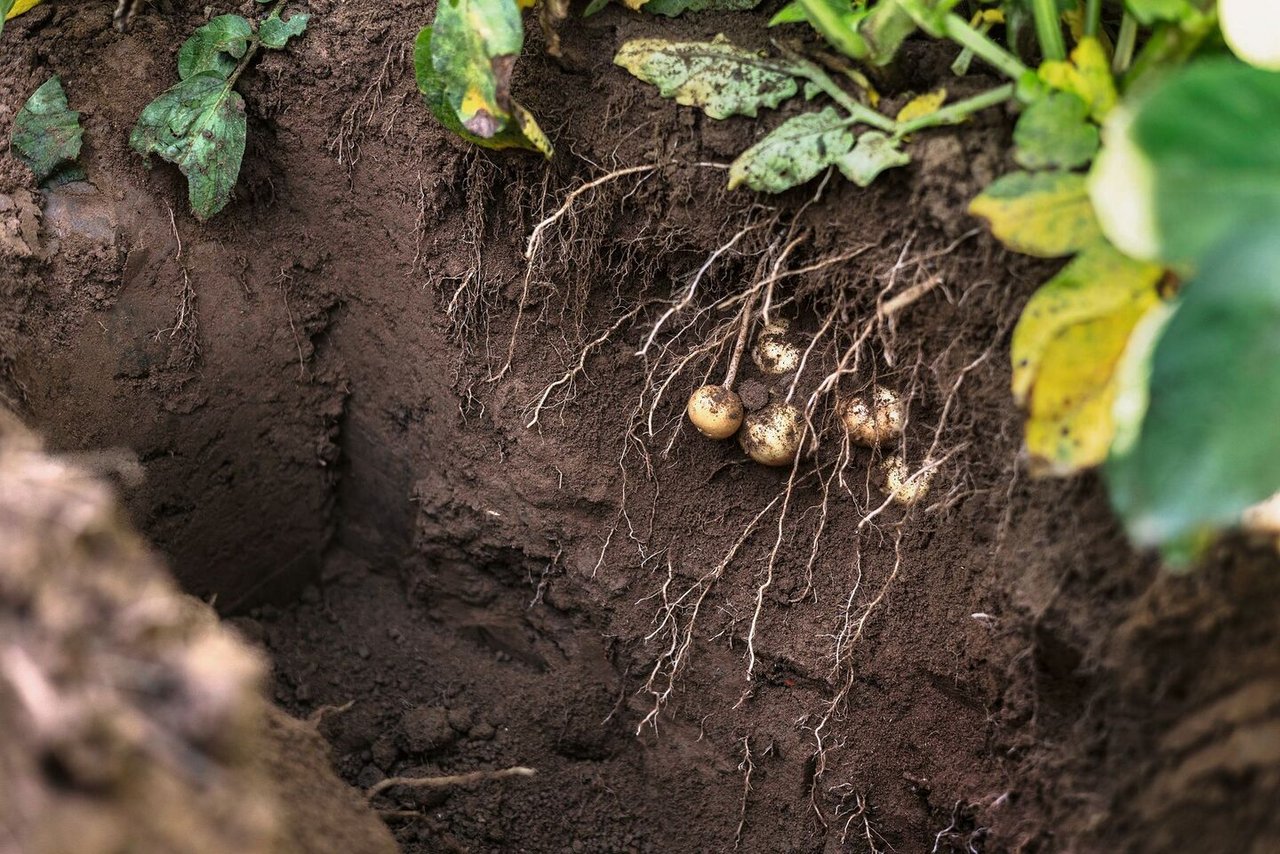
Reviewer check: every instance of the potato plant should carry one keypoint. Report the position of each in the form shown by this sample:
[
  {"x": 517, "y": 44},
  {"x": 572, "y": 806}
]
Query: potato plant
[
  {"x": 199, "y": 124},
  {"x": 1148, "y": 154}
]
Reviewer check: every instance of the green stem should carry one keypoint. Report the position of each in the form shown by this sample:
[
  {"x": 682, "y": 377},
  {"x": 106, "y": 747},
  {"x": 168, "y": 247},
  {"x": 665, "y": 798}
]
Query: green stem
[
  {"x": 1092, "y": 17},
  {"x": 958, "y": 30},
  {"x": 857, "y": 112},
  {"x": 1125, "y": 40},
  {"x": 1049, "y": 29},
  {"x": 957, "y": 112},
  {"x": 254, "y": 45},
  {"x": 1171, "y": 45}
]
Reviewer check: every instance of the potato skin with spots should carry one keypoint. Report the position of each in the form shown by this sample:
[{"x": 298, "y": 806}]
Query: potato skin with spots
[
  {"x": 875, "y": 423},
  {"x": 716, "y": 411},
  {"x": 771, "y": 436},
  {"x": 775, "y": 353},
  {"x": 901, "y": 486}
]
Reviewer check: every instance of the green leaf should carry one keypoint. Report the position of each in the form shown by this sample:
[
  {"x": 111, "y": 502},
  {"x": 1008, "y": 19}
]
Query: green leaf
[
  {"x": 5, "y": 6},
  {"x": 874, "y": 153},
  {"x": 473, "y": 51},
  {"x": 1054, "y": 131},
  {"x": 1195, "y": 161},
  {"x": 198, "y": 125},
  {"x": 1042, "y": 213},
  {"x": 722, "y": 79},
  {"x": 672, "y": 8},
  {"x": 794, "y": 152},
  {"x": 275, "y": 32},
  {"x": 216, "y": 46},
  {"x": 792, "y": 13},
  {"x": 46, "y": 131},
  {"x": 1206, "y": 448},
  {"x": 522, "y": 133}
]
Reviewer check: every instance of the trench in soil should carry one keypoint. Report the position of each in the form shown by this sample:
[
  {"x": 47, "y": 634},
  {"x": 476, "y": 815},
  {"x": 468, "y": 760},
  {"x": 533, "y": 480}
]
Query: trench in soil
[{"x": 325, "y": 459}]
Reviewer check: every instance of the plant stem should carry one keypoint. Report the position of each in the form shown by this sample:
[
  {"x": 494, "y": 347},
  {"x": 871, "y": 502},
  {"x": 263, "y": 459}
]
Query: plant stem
[
  {"x": 957, "y": 112},
  {"x": 958, "y": 30},
  {"x": 1092, "y": 17},
  {"x": 1125, "y": 40},
  {"x": 254, "y": 45},
  {"x": 1049, "y": 29},
  {"x": 857, "y": 112},
  {"x": 1173, "y": 44}
]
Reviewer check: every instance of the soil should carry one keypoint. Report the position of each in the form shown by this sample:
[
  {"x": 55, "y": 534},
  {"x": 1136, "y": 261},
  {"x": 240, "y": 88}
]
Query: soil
[{"x": 314, "y": 385}]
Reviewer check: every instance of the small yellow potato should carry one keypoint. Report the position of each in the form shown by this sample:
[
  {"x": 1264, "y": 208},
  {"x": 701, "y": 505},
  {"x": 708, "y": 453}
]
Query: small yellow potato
[
  {"x": 775, "y": 355},
  {"x": 875, "y": 423},
  {"x": 715, "y": 411},
  {"x": 771, "y": 436},
  {"x": 901, "y": 486}
]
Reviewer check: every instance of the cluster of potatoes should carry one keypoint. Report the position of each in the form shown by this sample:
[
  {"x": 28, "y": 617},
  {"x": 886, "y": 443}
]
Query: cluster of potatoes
[{"x": 772, "y": 434}]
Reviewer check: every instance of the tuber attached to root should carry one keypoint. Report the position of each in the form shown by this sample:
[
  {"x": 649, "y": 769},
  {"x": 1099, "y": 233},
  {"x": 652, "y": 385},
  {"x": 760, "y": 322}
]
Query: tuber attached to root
[
  {"x": 716, "y": 411},
  {"x": 774, "y": 353},
  {"x": 771, "y": 436},
  {"x": 876, "y": 423},
  {"x": 901, "y": 485}
]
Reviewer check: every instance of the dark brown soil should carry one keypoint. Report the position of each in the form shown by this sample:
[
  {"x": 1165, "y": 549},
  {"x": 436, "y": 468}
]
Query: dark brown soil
[{"x": 326, "y": 456}]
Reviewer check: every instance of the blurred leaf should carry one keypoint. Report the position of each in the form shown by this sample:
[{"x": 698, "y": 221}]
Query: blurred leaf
[
  {"x": 874, "y": 153},
  {"x": 1054, "y": 132},
  {"x": 1206, "y": 449},
  {"x": 1087, "y": 75},
  {"x": 198, "y": 125},
  {"x": 722, "y": 79},
  {"x": 672, "y": 8},
  {"x": 522, "y": 133},
  {"x": 794, "y": 152},
  {"x": 46, "y": 131},
  {"x": 792, "y": 13},
  {"x": 275, "y": 32},
  {"x": 1252, "y": 31},
  {"x": 923, "y": 105},
  {"x": 216, "y": 46},
  {"x": 1196, "y": 160},
  {"x": 1042, "y": 213}
]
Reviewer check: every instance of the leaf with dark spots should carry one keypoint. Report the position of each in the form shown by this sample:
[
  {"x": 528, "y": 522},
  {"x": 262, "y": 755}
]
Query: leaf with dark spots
[{"x": 46, "y": 131}]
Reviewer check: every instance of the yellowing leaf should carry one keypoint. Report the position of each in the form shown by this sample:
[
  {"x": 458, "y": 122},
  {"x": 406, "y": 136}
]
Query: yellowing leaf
[
  {"x": 1047, "y": 214},
  {"x": 1098, "y": 282},
  {"x": 1088, "y": 74},
  {"x": 21, "y": 6},
  {"x": 523, "y": 132},
  {"x": 923, "y": 105},
  {"x": 721, "y": 78},
  {"x": 1070, "y": 424}
]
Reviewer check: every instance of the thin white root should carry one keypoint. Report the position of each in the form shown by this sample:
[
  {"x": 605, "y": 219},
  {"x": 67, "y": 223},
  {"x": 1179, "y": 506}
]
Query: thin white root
[{"x": 448, "y": 781}]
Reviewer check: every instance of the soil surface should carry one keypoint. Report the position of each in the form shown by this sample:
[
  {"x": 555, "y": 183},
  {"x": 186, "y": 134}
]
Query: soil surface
[{"x": 336, "y": 453}]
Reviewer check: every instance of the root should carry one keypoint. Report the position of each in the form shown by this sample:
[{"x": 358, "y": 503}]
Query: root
[
  {"x": 746, "y": 766},
  {"x": 448, "y": 781},
  {"x": 345, "y": 145},
  {"x": 534, "y": 247},
  {"x": 662, "y": 677},
  {"x": 184, "y": 327}
]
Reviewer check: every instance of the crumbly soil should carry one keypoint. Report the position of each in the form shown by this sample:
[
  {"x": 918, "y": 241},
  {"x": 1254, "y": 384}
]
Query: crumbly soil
[{"x": 309, "y": 385}]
